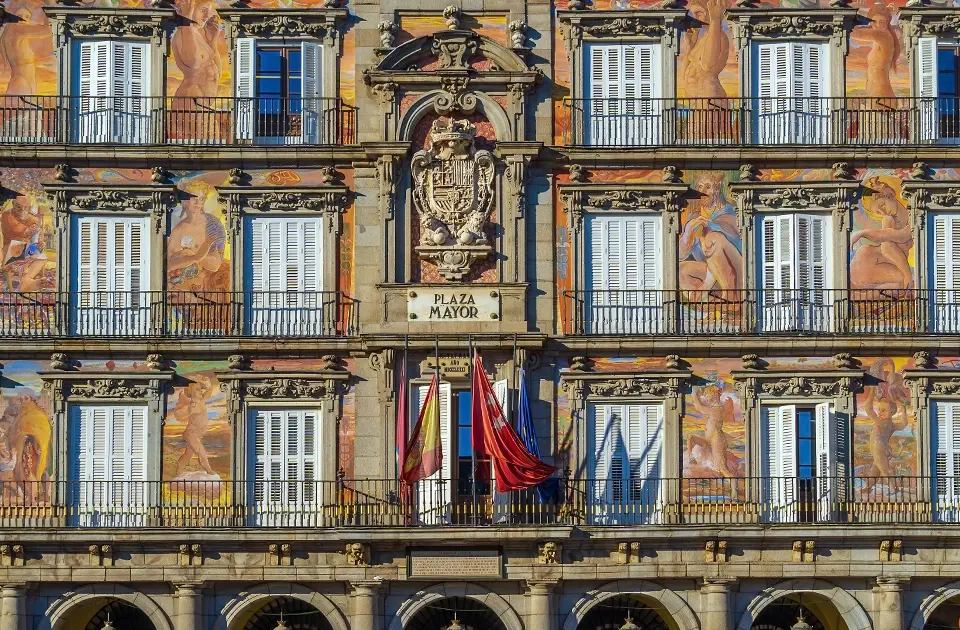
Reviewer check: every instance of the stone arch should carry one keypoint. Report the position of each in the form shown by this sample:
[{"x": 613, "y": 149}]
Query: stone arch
[
  {"x": 670, "y": 605},
  {"x": 416, "y": 51},
  {"x": 931, "y": 602},
  {"x": 61, "y": 610},
  {"x": 846, "y": 604},
  {"x": 488, "y": 598},
  {"x": 252, "y": 599},
  {"x": 425, "y": 105}
]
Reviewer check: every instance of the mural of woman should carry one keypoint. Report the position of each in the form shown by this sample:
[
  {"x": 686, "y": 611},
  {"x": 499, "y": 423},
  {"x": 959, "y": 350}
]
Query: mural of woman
[
  {"x": 708, "y": 50},
  {"x": 27, "y": 443},
  {"x": 191, "y": 409},
  {"x": 196, "y": 49},
  {"x": 197, "y": 244},
  {"x": 881, "y": 261},
  {"x": 884, "y": 55},
  {"x": 885, "y": 407},
  {"x": 709, "y": 454},
  {"x": 23, "y": 43},
  {"x": 24, "y": 261},
  {"x": 710, "y": 246}
]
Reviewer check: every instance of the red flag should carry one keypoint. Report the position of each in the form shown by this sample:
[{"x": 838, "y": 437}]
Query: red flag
[
  {"x": 425, "y": 453},
  {"x": 514, "y": 466},
  {"x": 402, "y": 420}
]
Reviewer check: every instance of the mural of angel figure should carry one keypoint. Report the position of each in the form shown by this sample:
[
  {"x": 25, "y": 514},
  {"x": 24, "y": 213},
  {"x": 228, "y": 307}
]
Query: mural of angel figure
[
  {"x": 710, "y": 452},
  {"x": 885, "y": 405},
  {"x": 191, "y": 408}
]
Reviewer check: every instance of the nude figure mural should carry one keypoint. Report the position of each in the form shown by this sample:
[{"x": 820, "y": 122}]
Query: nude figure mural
[
  {"x": 708, "y": 49},
  {"x": 881, "y": 250},
  {"x": 191, "y": 410},
  {"x": 885, "y": 409},
  {"x": 25, "y": 267},
  {"x": 711, "y": 262},
  {"x": 23, "y": 44},
  {"x": 196, "y": 51}
]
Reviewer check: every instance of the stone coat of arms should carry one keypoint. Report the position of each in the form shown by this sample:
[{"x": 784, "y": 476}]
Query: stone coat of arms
[{"x": 453, "y": 193}]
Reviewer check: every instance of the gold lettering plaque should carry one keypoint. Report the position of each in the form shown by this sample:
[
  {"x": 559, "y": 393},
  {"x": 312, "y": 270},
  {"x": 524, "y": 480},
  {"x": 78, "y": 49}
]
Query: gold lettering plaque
[
  {"x": 455, "y": 563},
  {"x": 471, "y": 304}
]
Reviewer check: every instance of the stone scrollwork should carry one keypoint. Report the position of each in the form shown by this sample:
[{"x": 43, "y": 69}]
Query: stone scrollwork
[
  {"x": 453, "y": 193},
  {"x": 154, "y": 24},
  {"x": 925, "y": 195},
  {"x": 840, "y": 385},
  {"x": 829, "y": 196},
  {"x": 454, "y": 49},
  {"x": 155, "y": 199},
  {"x": 314, "y": 23},
  {"x": 108, "y": 388},
  {"x": 580, "y": 198},
  {"x": 926, "y": 382},
  {"x": 581, "y": 386},
  {"x": 633, "y": 387},
  {"x": 807, "y": 386},
  {"x": 329, "y": 200},
  {"x": 325, "y": 385},
  {"x": 296, "y": 388},
  {"x": 658, "y": 24},
  {"x": 832, "y": 24}
]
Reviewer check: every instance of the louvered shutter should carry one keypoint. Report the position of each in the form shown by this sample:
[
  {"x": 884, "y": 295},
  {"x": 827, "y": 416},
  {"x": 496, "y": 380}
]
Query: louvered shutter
[
  {"x": 131, "y": 89},
  {"x": 780, "y": 463},
  {"x": 947, "y": 461},
  {"x": 610, "y": 465},
  {"x": 777, "y": 271},
  {"x": 245, "y": 87},
  {"x": 435, "y": 493},
  {"x": 809, "y": 86},
  {"x": 644, "y": 439},
  {"x": 112, "y": 275},
  {"x": 773, "y": 92},
  {"x": 813, "y": 308},
  {"x": 286, "y": 458},
  {"x": 624, "y": 88},
  {"x": 316, "y": 126},
  {"x": 827, "y": 461},
  {"x": 927, "y": 88},
  {"x": 501, "y": 500},
  {"x": 92, "y": 111},
  {"x": 946, "y": 272}
]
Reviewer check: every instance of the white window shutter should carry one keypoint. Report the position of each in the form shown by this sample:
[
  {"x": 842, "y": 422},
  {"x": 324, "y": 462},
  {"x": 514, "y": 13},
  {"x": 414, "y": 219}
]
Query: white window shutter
[
  {"x": 314, "y": 125},
  {"x": 827, "y": 460},
  {"x": 927, "y": 88},
  {"x": 92, "y": 115},
  {"x": 947, "y": 461},
  {"x": 245, "y": 71},
  {"x": 446, "y": 433},
  {"x": 435, "y": 493},
  {"x": 780, "y": 463},
  {"x": 131, "y": 89},
  {"x": 644, "y": 428},
  {"x": 501, "y": 500},
  {"x": 945, "y": 266},
  {"x": 501, "y": 389},
  {"x": 773, "y": 91}
]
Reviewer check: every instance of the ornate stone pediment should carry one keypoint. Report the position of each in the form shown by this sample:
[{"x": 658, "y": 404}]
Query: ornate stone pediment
[
  {"x": 451, "y": 50},
  {"x": 324, "y": 385},
  {"x": 156, "y": 199},
  {"x": 108, "y": 388},
  {"x": 280, "y": 24},
  {"x": 924, "y": 195},
  {"x": 924, "y": 383},
  {"x": 453, "y": 193},
  {"x": 330, "y": 200},
  {"x": 814, "y": 384},
  {"x": 658, "y": 24},
  {"x": 298, "y": 388},
  {"x": 87, "y": 21},
  {"x": 809, "y": 196},
  {"x": 666, "y": 385},
  {"x": 833, "y": 23},
  {"x": 96, "y": 385},
  {"x": 922, "y": 21},
  {"x": 580, "y": 198}
]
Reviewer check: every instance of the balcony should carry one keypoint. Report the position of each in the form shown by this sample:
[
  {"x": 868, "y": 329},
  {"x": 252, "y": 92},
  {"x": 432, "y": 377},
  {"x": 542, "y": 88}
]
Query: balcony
[
  {"x": 703, "y": 122},
  {"x": 188, "y": 121},
  {"x": 753, "y": 312},
  {"x": 440, "y": 503},
  {"x": 179, "y": 314}
]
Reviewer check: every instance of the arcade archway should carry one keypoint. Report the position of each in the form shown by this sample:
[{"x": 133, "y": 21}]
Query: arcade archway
[
  {"x": 295, "y": 613},
  {"x": 618, "y": 611},
  {"x": 455, "y": 613}
]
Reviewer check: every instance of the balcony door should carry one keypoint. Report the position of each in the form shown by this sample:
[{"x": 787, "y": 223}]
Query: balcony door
[
  {"x": 625, "y": 485},
  {"x": 111, "y": 92},
  {"x": 279, "y": 89},
  {"x": 111, "y": 292},
  {"x": 794, "y": 270},
  {"x": 803, "y": 468},
  {"x": 623, "y": 275},
  {"x": 791, "y": 87},
  {"x": 945, "y": 276},
  {"x": 284, "y": 271},
  {"x": 108, "y": 465},
  {"x": 623, "y": 105},
  {"x": 286, "y": 455},
  {"x": 946, "y": 460}
]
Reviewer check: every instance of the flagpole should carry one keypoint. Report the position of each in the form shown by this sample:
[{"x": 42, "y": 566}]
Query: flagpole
[
  {"x": 406, "y": 491},
  {"x": 441, "y": 485},
  {"x": 473, "y": 447}
]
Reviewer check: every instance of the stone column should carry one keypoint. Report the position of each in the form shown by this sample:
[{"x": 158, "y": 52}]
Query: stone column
[
  {"x": 888, "y": 603},
  {"x": 189, "y": 607},
  {"x": 365, "y": 611},
  {"x": 541, "y": 605},
  {"x": 715, "y": 603},
  {"x": 13, "y": 607}
]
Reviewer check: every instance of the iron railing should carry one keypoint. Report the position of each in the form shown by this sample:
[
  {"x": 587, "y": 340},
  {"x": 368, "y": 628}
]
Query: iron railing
[
  {"x": 439, "y": 503},
  {"x": 179, "y": 314},
  {"x": 176, "y": 120},
  {"x": 749, "y": 311},
  {"x": 761, "y": 121}
]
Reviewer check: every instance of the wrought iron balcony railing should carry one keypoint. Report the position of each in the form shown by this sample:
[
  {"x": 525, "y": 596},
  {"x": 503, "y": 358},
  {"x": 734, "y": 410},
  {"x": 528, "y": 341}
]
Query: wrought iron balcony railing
[
  {"x": 179, "y": 314},
  {"x": 439, "y": 503},
  {"x": 715, "y": 122},
  {"x": 746, "y": 312},
  {"x": 197, "y": 121}
]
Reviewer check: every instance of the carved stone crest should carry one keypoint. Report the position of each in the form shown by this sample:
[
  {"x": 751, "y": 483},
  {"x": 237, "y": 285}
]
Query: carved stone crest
[
  {"x": 109, "y": 388},
  {"x": 453, "y": 192}
]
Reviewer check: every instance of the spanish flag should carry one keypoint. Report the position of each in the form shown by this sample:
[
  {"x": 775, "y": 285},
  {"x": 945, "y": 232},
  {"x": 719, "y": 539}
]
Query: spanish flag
[{"x": 425, "y": 453}]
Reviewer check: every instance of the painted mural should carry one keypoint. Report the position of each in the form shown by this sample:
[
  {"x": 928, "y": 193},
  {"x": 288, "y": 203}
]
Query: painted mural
[
  {"x": 710, "y": 250},
  {"x": 28, "y": 245},
  {"x": 26, "y": 435}
]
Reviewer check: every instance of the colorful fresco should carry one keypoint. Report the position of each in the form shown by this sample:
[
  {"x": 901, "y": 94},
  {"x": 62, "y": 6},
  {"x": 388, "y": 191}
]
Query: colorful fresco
[
  {"x": 710, "y": 250},
  {"x": 196, "y": 434},
  {"x": 26, "y": 434},
  {"x": 197, "y": 245},
  {"x": 713, "y": 431},
  {"x": 29, "y": 260}
]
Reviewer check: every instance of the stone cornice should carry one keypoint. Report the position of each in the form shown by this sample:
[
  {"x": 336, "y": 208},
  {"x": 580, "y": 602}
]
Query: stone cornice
[
  {"x": 86, "y": 21},
  {"x": 330, "y": 200},
  {"x": 806, "y": 196},
  {"x": 655, "y": 24},
  {"x": 452, "y": 50},
  {"x": 666, "y": 384},
  {"x": 750, "y": 24},
  {"x": 924, "y": 195},
  {"x": 102, "y": 386},
  {"x": 580, "y": 198},
  {"x": 101, "y": 198},
  {"x": 919, "y": 22},
  {"x": 761, "y": 384},
  {"x": 932, "y": 383},
  {"x": 283, "y": 24},
  {"x": 325, "y": 385}
]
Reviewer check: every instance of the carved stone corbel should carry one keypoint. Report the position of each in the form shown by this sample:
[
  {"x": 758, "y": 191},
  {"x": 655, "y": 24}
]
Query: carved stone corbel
[
  {"x": 628, "y": 552},
  {"x": 550, "y": 552},
  {"x": 715, "y": 551},
  {"x": 383, "y": 364},
  {"x": 357, "y": 554},
  {"x": 12, "y": 555},
  {"x": 388, "y": 174},
  {"x": 101, "y": 555},
  {"x": 279, "y": 555}
]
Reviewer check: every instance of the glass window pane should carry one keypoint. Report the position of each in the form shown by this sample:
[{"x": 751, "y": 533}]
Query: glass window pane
[{"x": 268, "y": 61}]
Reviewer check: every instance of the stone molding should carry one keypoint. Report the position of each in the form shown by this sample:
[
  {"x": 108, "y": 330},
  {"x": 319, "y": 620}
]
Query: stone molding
[
  {"x": 580, "y": 198},
  {"x": 330, "y": 200},
  {"x": 932, "y": 383},
  {"x": 284, "y": 24},
  {"x": 155, "y": 25},
  {"x": 155, "y": 199},
  {"x": 101, "y": 386},
  {"x": 755, "y": 197},
  {"x": 924, "y": 21},
  {"x": 924, "y": 195},
  {"x": 581, "y": 387},
  {"x": 833, "y": 24},
  {"x": 761, "y": 385},
  {"x": 663, "y": 25}
]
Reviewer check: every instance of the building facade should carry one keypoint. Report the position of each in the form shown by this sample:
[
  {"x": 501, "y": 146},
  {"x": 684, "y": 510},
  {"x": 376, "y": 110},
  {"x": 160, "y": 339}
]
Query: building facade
[{"x": 715, "y": 244}]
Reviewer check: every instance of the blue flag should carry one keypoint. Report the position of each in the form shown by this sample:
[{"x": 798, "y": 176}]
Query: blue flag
[{"x": 549, "y": 490}]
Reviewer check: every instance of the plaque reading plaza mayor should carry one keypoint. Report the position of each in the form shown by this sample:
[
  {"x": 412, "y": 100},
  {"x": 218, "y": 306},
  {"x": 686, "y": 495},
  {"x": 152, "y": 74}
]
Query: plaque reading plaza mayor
[
  {"x": 453, "y": 305},
  {"x": 459, "y": 562}
]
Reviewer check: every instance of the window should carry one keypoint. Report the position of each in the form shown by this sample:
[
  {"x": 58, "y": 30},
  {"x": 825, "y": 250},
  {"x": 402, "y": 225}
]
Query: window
[
  {"x": 804, "y": 462},
  {"x": 794, "y": 272},
  {"x": 286, "y": 460},
  {"x": 279, "y": 90},
  {"x": 284, "y": 278},
  {"x": 458, "y": 483},
  {"x": 623, "y": 105},
  {"x": 111, "y": 277},
  {"x": 111, "y": 92},
  {"x": 791, "y": 90},
  {"x": 109, "y": 465},
  {"x": 623, "y": 275},
  {"x": 946, "y": 459},
  {"x": 625, "y": 461},
  {"x": 938, "y": 85},
  {"x": 945, "y": 276}
]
